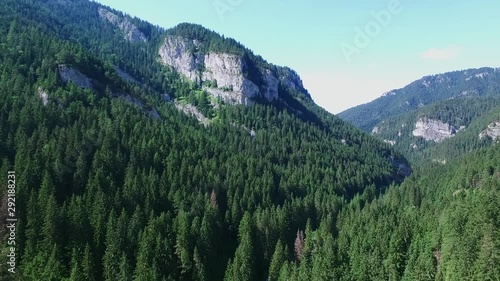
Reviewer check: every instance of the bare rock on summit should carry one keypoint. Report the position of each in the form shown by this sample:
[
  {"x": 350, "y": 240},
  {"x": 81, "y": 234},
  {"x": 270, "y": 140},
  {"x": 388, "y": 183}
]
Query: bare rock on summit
[
  {"x": 176, "y": 52},
  {"x": 132, "y": 33},
  {"x": 221, "y": 74},
  {"x": 227, "y": 71}
]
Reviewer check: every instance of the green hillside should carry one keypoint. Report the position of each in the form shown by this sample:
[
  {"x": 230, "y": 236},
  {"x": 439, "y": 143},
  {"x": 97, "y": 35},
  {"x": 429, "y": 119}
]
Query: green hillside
[
  {"x": 125, "y": 169},
  {"x": 465, "y": 120},
  {"x": 113, "y": 181},
  {"x": 482, "y": 82}
]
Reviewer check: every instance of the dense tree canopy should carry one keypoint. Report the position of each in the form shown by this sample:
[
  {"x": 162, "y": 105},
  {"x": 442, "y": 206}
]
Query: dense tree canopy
[{"x": 106, "y": 191}]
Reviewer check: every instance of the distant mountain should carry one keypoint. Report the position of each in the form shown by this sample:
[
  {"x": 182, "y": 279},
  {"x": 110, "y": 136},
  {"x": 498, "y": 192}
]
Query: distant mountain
[
  {"x": 444, "y": 130},
  {"x": 482, "y": 82}
]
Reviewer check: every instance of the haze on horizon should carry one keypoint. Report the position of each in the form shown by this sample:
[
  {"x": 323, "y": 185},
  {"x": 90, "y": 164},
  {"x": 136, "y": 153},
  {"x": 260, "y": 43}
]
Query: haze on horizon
[{"x": 347, "y": 52}]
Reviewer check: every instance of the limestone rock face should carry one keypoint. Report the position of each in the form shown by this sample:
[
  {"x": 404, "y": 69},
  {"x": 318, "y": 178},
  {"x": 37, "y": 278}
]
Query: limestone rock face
[
  {"x": 132, "y": 33},
  {"x": 177, "y": 52},
  {"x": 271, "y": 84},
  {"x": 43, "y": 95},
  {"x": 492, "y": 131},
  {"x": 125, "y": 76},
  {"x": 191, "y": 110},
  {"x": 433, "y": 130},
  {"x": 71, "y": 74},
  {"x": 290, "y": 79},
  {"x": 223, "y": 75},
  {"x": 227, "y": 71},
  {"x": 152, "y": 112}
]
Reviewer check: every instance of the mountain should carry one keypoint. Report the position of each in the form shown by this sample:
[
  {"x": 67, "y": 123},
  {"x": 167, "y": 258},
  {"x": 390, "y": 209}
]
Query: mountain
[
  {"x": 223, "y": 67},
  {"x": 482, "y": 82},
  {"x": 444, "y": 130},
  {"x": 134, "y": 152},
  {"x": 143, "y": 153}
]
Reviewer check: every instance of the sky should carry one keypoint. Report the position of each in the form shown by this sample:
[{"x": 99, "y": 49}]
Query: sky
[{"x": 346, "y": 52}]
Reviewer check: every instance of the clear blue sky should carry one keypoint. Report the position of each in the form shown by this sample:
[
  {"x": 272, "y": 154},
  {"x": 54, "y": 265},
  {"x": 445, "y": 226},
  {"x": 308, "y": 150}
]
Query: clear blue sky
[{"x": 318, "y": 38}]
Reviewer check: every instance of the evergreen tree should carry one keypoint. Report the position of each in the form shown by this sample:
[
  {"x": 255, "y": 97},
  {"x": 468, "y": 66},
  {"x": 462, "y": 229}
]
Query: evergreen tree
[
  {"x": 278, "y": 260},
  {"x": 242, "y": 267}
]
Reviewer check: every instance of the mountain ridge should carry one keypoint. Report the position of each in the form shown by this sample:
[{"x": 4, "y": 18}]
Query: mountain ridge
[{"x": 425, "y": 91}]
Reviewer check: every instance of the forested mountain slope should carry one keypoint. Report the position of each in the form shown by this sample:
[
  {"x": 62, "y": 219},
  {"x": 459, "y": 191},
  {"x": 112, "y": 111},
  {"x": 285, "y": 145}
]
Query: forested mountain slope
[
  {"x": 482, "y": 82},
  {"x": 444, "y": 130},
  {"x": 115, "y": 182},
  {"x": 442, "y": 223}
]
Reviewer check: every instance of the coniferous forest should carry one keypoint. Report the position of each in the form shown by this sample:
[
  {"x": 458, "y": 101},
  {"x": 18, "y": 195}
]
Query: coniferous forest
[{"x": 109, "y": 189}]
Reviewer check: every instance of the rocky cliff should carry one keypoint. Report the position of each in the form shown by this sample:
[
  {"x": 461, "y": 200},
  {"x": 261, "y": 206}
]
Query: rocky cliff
[
  {"x": 433, "y": 130},
  {"x": 225, "y": 75},
  {"x": 70, "y": 74},
  {"x": 191, "y": 110},
  {"x": 492, "y": 132},
  {"x": 132, "y": 33}
]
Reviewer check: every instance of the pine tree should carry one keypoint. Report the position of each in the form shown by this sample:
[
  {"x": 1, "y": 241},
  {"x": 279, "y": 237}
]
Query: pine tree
[
  {"x": 53, "y": 269},
  {"x": 125, "y": 272},
  {"x": 88, "y": 265},
  {"x": 486, "y": 266},
  {"x": 75, "y": 268},
  {"x": 184, "y": 243},
  {"x": 199, "y": 270},
  {"x": 278, "y": 260},
  {"x": 112, "y": 254},
  {"x": 242, "y": 267}
]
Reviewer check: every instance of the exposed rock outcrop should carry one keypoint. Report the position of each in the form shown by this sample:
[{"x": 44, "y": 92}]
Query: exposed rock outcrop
[
  {"x": 492, "y": 132},
  {"x": 433, "y": 130},
  {"x": 43, "y": 95},
  {"x": 190, "y": 109},
  {"x": 232, "y": 86},
  {"x": 70, "y": 74},
  {"x": 152, "y": 112},
  {"x": 132, "y": 33},
  {"x": 178, "y": 53},
  {"x": 125, "y": 76},
  {"x": 440, "y": 161},
  {"x": 290, "y": 79},
  {"x": 391, "y": 142},
  {"x": 388, "y": 94},
  {"x": 224, "y": 75}
]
